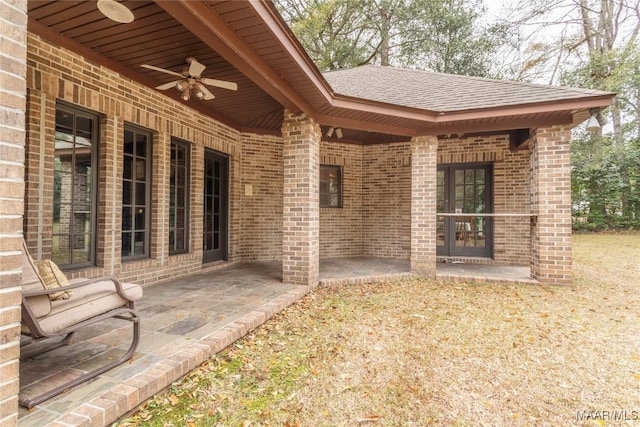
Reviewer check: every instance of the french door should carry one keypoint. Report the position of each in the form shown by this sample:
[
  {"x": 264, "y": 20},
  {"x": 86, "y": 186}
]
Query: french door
[
  {"x": 216, "y": 182},
  {"x": 464, "y": 189}
]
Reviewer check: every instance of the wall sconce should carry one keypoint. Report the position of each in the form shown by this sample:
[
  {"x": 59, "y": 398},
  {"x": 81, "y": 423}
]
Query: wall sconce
[
  {"x": 593, "y": 125},
  {"x": 339, "y": 133},
  {"x": 330, "y": 132}
]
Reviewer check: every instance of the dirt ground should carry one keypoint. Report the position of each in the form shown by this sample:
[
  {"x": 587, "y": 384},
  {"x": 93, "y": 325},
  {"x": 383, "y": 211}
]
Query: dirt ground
[{"x": 418, "y": 353}]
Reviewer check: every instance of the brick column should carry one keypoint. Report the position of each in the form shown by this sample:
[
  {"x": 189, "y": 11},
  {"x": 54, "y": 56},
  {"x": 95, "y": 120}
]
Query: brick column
[
  {"x": 424, "y": 166},
  {"x": 551, "y": 203},
  {"x": 12, "y": 136},
  {"x": 301, "y": 199}
]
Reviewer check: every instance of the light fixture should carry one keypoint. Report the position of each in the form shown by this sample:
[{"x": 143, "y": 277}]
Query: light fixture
[
  {"x": 185, "y": 94},
  {"x": 115, "y": 11},
  {"x": 199, "y": 91},
  {"x": 337, "y": 131},
  {"x": 593, "y": 125},
  {"x": 181, "y": 85}
]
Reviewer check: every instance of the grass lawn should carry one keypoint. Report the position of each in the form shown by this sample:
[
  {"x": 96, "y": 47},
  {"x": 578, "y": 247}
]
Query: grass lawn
[{"x": 420, "y": 352}]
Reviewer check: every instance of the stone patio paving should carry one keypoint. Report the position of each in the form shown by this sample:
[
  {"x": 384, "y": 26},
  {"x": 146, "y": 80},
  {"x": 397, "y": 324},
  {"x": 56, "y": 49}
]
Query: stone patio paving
[{"x": 184, "y": 322}]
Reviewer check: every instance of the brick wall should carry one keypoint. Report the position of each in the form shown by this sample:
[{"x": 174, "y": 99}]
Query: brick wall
[
  {"x": 301, "y": 198},
  {"x": 13, "y": 69},
  {"x": 551, "y": 202},
  {"x": 341, "y": 228},
  {"x": 261, "y": 195},
  {"x": 386, "y": 207},
  {"x": 424, "y": 165},
  {"x": 56, "y": 74}
]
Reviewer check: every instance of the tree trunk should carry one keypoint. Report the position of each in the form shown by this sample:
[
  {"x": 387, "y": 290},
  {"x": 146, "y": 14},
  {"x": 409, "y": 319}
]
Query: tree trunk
[{"x": 384, "y": 34}]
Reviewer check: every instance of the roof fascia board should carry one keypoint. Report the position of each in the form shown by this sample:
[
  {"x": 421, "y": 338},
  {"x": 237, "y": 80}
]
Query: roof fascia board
[
  {"x": 375, "y": 107},
  {"x": 506, "y": 125},
  {"x": 209, "y": 27}
]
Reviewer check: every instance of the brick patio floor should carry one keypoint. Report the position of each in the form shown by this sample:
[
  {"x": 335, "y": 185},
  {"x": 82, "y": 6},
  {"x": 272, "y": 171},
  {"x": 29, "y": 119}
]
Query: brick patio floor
[{"x": 183, "y": 323}]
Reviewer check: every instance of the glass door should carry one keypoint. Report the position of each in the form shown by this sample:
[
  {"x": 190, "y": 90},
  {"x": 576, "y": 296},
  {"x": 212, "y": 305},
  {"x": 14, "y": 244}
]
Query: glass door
[
  {"x": 216, "y": 181},
  {"x": 464, "y": 189}
]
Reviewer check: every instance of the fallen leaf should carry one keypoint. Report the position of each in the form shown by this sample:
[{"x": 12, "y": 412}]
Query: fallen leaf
[
  {"x": 368, "y": 419},
  {"x": 173, "y": 399}
]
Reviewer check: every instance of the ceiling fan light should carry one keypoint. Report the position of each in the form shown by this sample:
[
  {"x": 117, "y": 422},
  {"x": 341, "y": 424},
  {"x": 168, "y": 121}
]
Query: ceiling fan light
[
  {"x": 181, "y": 86},
  {"x": 199, "y": 91},
  {"x": 185, "y": 94}
]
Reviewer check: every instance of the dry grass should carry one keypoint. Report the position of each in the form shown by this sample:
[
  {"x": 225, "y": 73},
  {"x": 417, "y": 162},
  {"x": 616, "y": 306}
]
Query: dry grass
[{"x": 430, "y": 353}]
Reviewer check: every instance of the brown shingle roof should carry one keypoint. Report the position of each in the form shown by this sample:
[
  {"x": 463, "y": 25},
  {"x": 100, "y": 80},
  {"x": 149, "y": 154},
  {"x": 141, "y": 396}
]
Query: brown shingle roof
[{"x": 444, "y": 92}]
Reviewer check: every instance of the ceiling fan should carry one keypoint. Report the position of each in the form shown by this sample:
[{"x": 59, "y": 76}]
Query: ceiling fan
[{"x": 191, "y": 80}]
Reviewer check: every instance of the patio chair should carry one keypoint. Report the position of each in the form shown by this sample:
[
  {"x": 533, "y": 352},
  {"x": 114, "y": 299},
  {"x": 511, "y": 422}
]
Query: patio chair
[{"x": 80, "y": 303}]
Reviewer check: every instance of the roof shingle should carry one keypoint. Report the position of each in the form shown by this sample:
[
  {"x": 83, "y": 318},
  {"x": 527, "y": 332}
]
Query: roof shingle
[{"x": 444, "y": 93}]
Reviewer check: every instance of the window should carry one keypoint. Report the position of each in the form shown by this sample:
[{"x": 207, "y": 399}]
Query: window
[
  {"x": 74, "y": 187},
  {"x": 330, "y": 186},
  {"x": 136, "y": 193},
  {"x": 179, "y": 198}
]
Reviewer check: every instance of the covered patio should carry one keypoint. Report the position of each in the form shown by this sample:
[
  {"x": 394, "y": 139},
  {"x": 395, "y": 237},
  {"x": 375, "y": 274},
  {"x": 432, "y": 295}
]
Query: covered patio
[
  {"x": 228, "y": 208},
  {"x": 185, "y": 321}
]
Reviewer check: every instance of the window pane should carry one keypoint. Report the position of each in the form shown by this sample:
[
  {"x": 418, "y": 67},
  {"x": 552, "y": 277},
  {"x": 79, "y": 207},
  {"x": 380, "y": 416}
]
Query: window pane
[
  {"x": 140, "y": 219},
  {"x": 469, "y": 176},
  {"x": 126, "y": 244},
  {"x": 141, "y": 169},
  {"x": 127, "y": 197},
  {"x": 141, "y": 144},
  {"x": 138, "y": 246},
  {"x": 127, "y": 218},
  {"x": 128, "y": 142},
  {"x": 141, "y": 193},
  {"x": 127, "y": 169}
]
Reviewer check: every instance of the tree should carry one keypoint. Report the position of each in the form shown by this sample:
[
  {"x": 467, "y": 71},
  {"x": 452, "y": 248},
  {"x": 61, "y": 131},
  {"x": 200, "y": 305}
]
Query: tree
[
  {"x": 334, "y": 33},
  {"x": 595, "y": 46},
  {"x": 440, "y": 35}
]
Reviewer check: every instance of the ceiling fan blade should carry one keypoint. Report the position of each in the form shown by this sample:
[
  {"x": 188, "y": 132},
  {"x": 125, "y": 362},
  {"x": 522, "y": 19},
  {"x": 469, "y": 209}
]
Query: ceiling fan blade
[
  {"x": 162, "y": 70},
  {"x": 167, "y": 85},
  {"x": 220, "y": 83},
  {"x": 195, "y": 68},
  {"x": 207, "y": 93}
]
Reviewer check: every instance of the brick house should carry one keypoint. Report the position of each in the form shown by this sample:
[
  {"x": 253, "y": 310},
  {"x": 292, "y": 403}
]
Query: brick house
[{"x": 107, "y": 175}]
